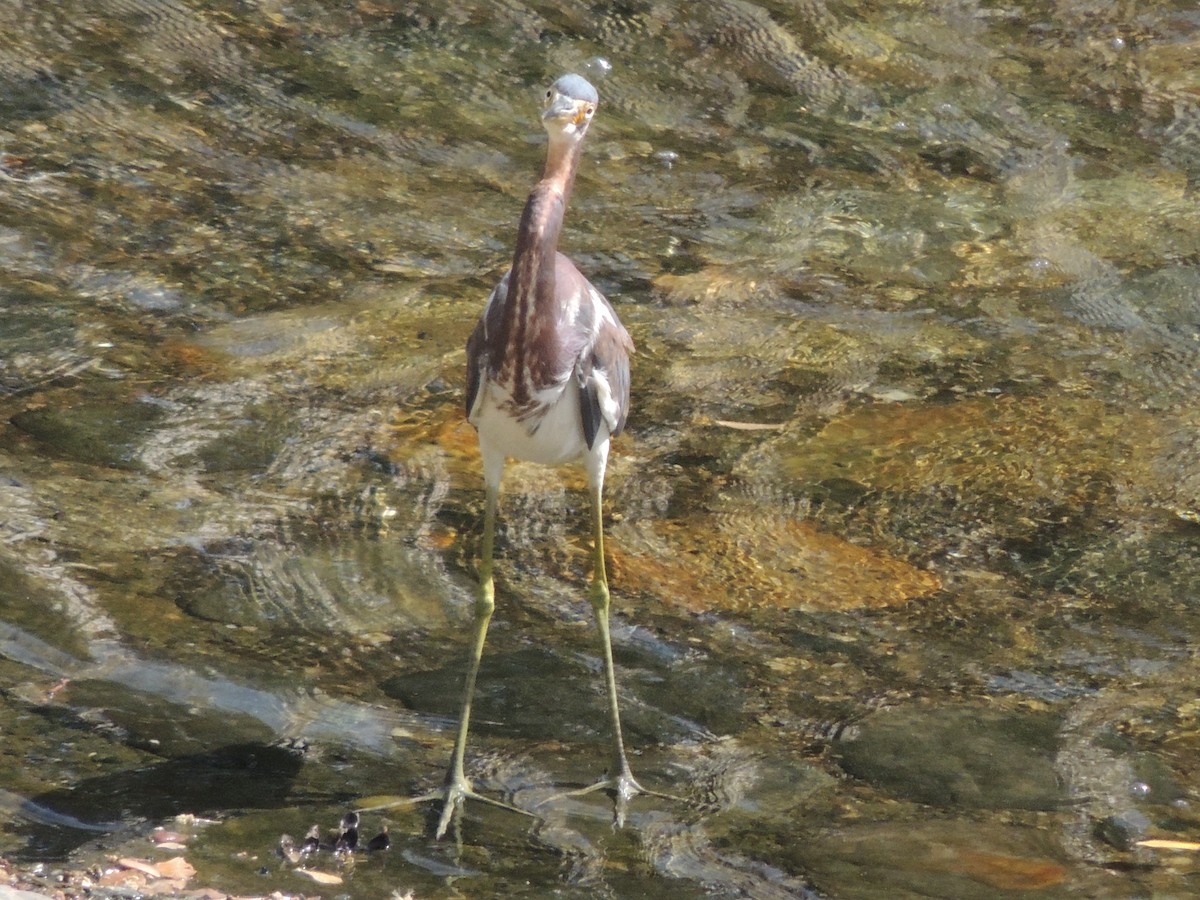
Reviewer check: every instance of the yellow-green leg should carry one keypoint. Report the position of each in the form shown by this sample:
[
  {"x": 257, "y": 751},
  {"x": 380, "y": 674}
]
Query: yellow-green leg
[
  {"x": 457, "y": 787},
  {"x": 620, "y": 777}
]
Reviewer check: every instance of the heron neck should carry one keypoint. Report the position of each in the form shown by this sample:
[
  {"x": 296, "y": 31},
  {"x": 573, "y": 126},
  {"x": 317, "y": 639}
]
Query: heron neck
[
  {"x": 527, "y": 327},
  {"x": 562, "y": 158},
  {"x": 541, "y": 225}
]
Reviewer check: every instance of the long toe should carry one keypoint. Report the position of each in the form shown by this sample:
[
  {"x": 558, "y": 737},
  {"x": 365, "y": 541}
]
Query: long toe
[
  {"x": 455, "y": 793},
  {"x": 623, "y": 788},
  {"x": 459, "y": 790},
  {"x": 451, "y": 796}
]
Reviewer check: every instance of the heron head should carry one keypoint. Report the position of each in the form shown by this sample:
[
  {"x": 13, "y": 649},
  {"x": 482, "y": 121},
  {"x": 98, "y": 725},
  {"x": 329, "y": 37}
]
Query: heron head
[{"x": 570, "y": 104}]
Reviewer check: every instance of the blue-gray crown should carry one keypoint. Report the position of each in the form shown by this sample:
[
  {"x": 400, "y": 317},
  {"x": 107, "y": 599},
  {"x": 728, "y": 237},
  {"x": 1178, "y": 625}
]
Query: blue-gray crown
[{"x": 577, "y": 87}]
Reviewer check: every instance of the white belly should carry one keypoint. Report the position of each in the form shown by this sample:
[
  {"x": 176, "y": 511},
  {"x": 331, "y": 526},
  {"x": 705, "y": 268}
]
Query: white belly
[{"x": 550, "y": 439}]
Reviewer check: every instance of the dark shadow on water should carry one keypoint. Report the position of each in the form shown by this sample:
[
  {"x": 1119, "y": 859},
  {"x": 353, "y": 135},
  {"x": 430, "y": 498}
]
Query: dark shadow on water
[{"x": 236, "y": 777}]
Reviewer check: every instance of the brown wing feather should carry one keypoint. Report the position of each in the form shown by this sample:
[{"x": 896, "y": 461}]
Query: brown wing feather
[
  {"x": 606, "y": 358},
  {"x": 478, "y": 358},
  {"x": 611, "y": 355}
]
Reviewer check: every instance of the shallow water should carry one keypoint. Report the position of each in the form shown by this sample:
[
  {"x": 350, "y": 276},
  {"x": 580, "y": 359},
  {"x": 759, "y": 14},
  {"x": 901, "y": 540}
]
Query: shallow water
[{"x": 904, "y": 533}]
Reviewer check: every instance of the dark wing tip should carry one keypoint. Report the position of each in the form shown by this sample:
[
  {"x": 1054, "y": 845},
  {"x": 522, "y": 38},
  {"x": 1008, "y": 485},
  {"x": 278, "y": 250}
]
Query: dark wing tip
[
  {"x": 589, "y": 407},
  {"x": 609, "y": 358},
  {"x": 476, "y": 364}
]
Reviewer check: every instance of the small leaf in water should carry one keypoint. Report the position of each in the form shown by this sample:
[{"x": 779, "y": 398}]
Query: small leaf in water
[
  {"x": 177, "y": 868},
  {"x": 321, "y": 877},
  {"x": 748, "y": 426},
  {"x": 122, "y": 877},
  {"x": 1164, "y": 844},
  {"x": 1012, "y": 873},
  {"x": 140, "y": 865}
]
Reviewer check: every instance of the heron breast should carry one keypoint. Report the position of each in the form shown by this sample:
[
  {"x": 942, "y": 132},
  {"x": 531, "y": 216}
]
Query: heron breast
[{"x": 545, "y": 429}]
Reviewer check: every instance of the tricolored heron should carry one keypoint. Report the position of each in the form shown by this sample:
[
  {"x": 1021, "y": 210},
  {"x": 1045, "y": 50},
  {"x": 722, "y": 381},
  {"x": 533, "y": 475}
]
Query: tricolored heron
[{"x": 547, "y": 382}]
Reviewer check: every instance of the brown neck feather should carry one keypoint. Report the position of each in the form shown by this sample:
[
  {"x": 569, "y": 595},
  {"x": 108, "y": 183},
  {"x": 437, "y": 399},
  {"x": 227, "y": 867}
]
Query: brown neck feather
[{"x": 531, "y": 287}]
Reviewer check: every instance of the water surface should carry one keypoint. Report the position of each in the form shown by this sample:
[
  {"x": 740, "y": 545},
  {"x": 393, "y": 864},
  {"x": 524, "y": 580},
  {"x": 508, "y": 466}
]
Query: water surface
[{"x": 903, "y": 533}]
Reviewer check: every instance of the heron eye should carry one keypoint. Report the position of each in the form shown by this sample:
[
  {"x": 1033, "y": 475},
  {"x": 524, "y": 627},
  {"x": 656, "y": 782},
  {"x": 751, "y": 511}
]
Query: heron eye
[
  {"x": 549, "y": 94},
  {"x": 590, "y": 111}
]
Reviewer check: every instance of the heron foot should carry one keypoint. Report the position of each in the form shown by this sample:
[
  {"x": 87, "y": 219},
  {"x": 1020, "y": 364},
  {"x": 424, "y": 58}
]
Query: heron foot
[
  {"x": 623, "y": 788},
  {"x": 451, "y": 796}
]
